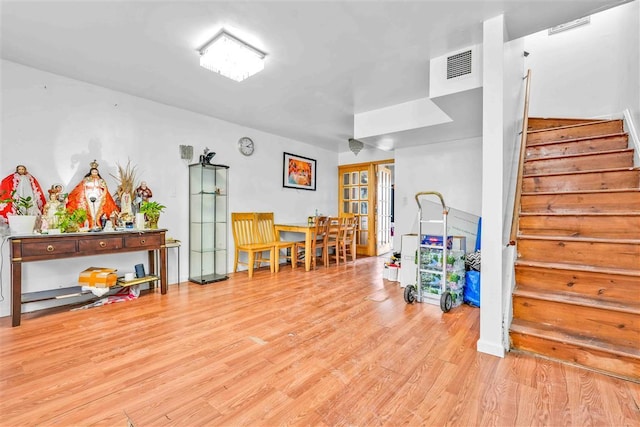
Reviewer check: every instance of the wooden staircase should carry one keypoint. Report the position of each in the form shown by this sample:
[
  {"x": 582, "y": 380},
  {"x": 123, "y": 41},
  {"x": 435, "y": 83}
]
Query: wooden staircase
[{"x": 577, "y": 294}]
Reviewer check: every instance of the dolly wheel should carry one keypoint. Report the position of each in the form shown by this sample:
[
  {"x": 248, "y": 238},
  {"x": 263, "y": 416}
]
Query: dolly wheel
[
  {"x": 410, "y": 294},
  {"x": 446, "y": 301}
]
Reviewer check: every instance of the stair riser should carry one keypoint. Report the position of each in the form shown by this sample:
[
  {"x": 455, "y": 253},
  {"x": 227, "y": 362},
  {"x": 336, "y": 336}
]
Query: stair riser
[
  {"x": 614, "y": 180},
  {"x": 559, "y": 134},
  {"x": 617, "y": 328},
  {"x": 600, "y": 254},
  {"x": 624, "y": 367},
  {"x": 537, "y": 123},
  {"x": 616, "y": 227},
  {"x": 580, "y": 203},
  {"x": 588, "y": 162},
  {"x": 593, "y": 145},
  {"x": 599, "y": 286}
]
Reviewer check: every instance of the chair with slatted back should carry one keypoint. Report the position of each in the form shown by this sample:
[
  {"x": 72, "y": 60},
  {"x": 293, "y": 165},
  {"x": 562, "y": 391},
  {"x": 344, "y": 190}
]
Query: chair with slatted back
[
  {"x": 318, "y": 235},
  {"x": 269, "y": 235},
  {"x": 247, "y": 239},
  {"x": 347, "y": 241},
  {"x": 334, "y": 231}
]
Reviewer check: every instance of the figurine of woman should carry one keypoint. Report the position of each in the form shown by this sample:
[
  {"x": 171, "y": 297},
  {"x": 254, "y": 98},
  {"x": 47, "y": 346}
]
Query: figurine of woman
[
  {"x": 92, "y": 195},
  {"x": 24, "y": 185}
]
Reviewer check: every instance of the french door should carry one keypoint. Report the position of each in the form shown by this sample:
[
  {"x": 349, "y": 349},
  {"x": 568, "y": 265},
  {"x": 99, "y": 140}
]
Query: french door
[
  {"x": 383, "y": 210},
  {"x": 365, "y": 192},
  {"x": 357, "y": 197}
]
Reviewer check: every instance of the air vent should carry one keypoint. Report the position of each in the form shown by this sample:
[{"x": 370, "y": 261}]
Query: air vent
[{"x": 459, "y": 64}]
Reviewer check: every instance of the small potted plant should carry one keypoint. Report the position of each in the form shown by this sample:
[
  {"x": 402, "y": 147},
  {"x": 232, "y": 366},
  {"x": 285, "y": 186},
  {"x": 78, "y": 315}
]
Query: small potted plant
[
  {"x": 70, "y": 221},
  {"x": 152, "y": 211},
  {"x": 23, "y": 220}
]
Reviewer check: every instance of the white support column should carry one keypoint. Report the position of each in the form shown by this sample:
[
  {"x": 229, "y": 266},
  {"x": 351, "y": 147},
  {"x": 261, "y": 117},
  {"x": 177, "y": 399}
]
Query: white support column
[{"x": 491, "y": 294}]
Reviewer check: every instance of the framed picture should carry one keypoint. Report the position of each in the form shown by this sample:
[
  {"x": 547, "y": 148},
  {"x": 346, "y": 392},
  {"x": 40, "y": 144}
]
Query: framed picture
[{"x": 299, "y": 172}]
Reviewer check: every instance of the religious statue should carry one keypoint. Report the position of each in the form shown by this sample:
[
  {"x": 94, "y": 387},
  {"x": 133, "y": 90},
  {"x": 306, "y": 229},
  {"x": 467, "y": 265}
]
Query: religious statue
[
  {"x": 21, "y": 184},
  {"x": 144, "y": 192},
  {"x": 53, "y": 205},
  {"x": 92, "y": 195}
]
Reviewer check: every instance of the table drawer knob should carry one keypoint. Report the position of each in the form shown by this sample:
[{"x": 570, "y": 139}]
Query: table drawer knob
[
  {"x": 103, "y": 245},
  {"x": 50, "y": 248},
  {"x": 143, "y": 241}
]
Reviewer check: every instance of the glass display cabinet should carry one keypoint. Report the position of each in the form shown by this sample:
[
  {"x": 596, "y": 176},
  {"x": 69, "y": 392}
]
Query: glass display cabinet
[{"x": 208, "y": 222}]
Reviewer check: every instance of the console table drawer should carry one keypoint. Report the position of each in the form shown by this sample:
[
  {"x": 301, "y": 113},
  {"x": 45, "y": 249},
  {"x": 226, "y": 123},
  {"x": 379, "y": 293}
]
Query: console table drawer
[
  {"x": 143, "y": 241},
  {"x": 96, "y": 245},
  {"x": 51, "y": 247}
]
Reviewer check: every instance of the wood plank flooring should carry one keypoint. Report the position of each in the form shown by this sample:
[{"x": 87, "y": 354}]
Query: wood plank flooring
[{"x": 336, "y": 346}]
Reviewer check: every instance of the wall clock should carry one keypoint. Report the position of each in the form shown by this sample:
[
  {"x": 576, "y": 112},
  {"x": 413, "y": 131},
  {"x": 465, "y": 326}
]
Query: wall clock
[{"x": 245, "y": 145}]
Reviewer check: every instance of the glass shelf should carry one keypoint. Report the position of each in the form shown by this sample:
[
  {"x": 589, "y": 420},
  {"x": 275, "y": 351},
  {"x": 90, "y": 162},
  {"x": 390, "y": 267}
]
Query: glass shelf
[{"x": 208, "y": 213}]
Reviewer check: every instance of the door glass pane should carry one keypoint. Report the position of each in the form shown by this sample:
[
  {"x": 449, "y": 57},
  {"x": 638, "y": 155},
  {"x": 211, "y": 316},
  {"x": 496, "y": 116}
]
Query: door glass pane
[
  {"x": 364, "y": 208},
  {"x": 364, "y": 177},
  {"x": 364, "y": 238},
  {"x": 354, "y": 177},
  {"x": 364, "y": 193},
  {"x": 345, "y": 194},
  {"x": 345, "y": 179}
]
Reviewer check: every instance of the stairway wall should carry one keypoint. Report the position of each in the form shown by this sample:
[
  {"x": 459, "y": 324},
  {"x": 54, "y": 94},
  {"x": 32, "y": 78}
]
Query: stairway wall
[{"x": 593, "y": 68}]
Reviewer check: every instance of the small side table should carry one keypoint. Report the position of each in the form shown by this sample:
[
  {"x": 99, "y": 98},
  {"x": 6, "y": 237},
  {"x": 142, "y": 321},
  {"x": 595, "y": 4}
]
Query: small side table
[{"x": 174, "y": 244}]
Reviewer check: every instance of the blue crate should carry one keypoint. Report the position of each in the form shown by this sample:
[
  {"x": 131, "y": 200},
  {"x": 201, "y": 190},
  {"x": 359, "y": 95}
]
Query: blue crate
[{"x": 429, "y": 239}]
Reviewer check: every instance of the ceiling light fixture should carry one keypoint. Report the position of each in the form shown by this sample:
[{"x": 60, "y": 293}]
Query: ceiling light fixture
[
  {"x": 231, "y": 57},
  {"x": 355, "y": 146}
]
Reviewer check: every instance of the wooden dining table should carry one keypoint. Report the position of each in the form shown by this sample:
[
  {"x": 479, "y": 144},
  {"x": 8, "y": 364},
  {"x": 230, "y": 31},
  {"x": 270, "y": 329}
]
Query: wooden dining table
[{"x": 303, "y": 228}]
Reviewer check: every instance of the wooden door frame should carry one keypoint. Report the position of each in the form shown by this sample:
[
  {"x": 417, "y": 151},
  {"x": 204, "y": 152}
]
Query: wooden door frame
[{"x": 371, "y": 248}]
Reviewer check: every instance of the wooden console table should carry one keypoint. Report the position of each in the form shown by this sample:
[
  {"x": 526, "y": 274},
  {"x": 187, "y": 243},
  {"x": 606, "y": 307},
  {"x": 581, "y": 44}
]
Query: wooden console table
[{"x": 30, "y": 248}]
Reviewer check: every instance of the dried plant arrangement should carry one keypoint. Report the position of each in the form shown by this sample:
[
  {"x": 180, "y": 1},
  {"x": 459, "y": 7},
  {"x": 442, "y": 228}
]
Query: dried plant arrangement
[{"x": 126, "y": 186}]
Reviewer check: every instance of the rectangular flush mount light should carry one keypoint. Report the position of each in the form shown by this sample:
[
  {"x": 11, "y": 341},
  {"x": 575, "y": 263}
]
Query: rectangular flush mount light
[{"x": 231, "y": 57}]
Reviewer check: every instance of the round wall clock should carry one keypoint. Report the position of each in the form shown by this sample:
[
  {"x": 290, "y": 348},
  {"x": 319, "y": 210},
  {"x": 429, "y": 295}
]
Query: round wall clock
[{"x": 245, "y": 145}]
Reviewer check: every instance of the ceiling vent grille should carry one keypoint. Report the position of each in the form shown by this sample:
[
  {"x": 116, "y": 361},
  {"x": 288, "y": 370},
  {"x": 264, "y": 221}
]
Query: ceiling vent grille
[{"x": 459, "y": 64}]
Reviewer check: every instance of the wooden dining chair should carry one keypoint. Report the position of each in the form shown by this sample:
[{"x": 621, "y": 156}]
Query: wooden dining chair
[
  {"x": 246, "y": 239},
  {"x": 347, "y": 240},
  {"x": 269, "y": 235},
  {"x": 318, "y": 234},
  {"x": 332, "y": 238}
]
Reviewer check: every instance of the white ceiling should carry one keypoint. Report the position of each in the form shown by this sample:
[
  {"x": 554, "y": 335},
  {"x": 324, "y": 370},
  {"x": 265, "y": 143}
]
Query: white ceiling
[{"x": 327, "y": 60}]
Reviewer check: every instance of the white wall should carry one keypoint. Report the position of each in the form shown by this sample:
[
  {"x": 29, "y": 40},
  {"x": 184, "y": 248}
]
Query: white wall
[
  {"x": 588, "y": 71},
  {"x": 453, "y": 168},
  {"x": 367, "y": 154},
  {"x": 56, "y": 126}
]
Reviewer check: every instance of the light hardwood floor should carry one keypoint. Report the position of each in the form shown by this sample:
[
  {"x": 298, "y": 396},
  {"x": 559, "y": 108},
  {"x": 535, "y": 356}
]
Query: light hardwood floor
[{"x": 337, "y": 346}]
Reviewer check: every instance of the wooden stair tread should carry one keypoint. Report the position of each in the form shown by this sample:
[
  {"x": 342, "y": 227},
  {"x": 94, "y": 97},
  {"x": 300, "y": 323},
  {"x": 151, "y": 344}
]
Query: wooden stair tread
[
  {"x": 578, "y": 139},
  {"x": 575, "y": 119},
  {"x": 574, "y": 155},
  {"x": 615, "y": 190},
  {"x": 576, "y": 267},
  {"x": 630, "y": 306},
  {"x": 578, "y": 239},
  {"x": 557, "y": 334},
  {"x": 580, "y": 172},
  {"x": 628, "y": 213},
  {"x": 572, "y": 126}
]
